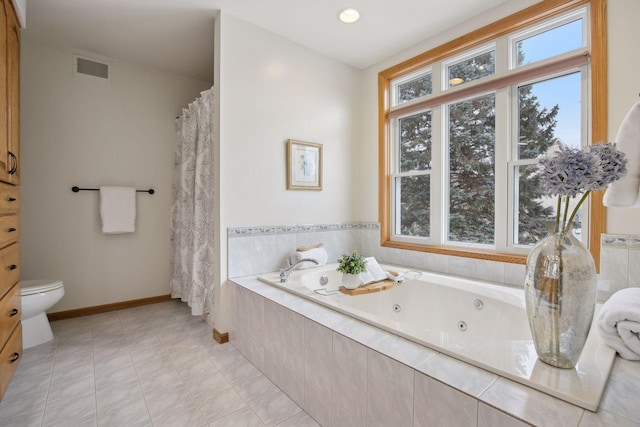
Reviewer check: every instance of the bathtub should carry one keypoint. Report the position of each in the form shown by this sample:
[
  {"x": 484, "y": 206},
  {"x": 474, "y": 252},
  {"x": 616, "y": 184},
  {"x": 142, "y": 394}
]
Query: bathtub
[{"x": 481, "y": 323}]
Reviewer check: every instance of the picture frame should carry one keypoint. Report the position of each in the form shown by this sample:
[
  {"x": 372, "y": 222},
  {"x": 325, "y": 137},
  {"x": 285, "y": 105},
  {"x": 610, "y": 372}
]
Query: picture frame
[{"x": 304, "y": 165}]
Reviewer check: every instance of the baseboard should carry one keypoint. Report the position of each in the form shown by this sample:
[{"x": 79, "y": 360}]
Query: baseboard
[
  {"x": 87, "y": 311},
  {"x": 221, "y": 338}
]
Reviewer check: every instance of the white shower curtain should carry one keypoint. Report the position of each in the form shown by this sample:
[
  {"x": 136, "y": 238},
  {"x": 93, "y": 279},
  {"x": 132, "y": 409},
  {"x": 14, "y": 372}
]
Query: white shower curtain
[{"x": 192, "y": 225}]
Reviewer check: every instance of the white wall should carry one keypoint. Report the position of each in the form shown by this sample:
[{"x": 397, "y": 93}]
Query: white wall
[
  {"x": 77, "y": 130},
  {"x": 624, "y": 90},
  {"x": 272, "y": 89}
]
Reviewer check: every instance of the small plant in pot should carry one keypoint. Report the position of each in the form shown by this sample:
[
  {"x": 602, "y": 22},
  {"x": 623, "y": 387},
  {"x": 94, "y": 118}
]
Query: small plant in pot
[{"x": 351, "y": 266}]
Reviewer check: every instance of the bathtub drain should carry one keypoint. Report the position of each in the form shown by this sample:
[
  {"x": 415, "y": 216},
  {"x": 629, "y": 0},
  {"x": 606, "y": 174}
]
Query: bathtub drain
[{"x": 462, "y": 326}]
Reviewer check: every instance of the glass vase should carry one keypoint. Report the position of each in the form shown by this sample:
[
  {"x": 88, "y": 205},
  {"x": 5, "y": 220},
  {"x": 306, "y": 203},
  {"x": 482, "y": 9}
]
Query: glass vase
[{"x": 560, "y": 295}]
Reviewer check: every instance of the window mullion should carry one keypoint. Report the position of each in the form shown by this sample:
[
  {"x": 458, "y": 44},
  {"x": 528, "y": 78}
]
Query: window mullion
[
  {"x": 503, "y": 187},
  {"x": 437, "y": 177}
]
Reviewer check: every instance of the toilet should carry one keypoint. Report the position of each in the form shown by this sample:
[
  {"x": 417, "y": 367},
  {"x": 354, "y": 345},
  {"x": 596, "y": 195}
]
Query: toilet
[{"x": 37, "y": 296}]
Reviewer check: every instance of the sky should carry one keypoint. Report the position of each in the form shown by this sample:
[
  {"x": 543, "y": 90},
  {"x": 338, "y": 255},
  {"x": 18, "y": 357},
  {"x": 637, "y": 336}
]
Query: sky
[{"x": 564, "y": 91}]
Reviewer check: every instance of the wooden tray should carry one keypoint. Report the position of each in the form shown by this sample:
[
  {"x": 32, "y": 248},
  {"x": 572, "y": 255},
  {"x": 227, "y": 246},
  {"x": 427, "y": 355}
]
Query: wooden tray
[{"x": 369, "y": 289}]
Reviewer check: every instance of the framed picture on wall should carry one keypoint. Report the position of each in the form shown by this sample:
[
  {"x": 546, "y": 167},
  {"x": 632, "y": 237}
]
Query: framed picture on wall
[{"x": 304, "y": 165}]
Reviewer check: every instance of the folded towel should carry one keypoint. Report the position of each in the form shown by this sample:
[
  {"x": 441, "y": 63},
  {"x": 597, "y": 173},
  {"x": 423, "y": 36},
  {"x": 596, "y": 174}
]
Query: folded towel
[
  {"x": 619, "y": 323},
  {"x": 626, "y": 191},
  {"x": 317, "y": 253},
  {"x": 118, "y": 209}
]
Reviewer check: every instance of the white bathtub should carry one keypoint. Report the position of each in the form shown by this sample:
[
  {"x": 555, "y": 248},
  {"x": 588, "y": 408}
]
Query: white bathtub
[{"x": 481, "y": 323}]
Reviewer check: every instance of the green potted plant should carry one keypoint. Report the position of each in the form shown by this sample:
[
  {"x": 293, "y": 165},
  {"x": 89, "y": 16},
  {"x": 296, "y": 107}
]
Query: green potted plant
[{"x": 351, "y": 266}]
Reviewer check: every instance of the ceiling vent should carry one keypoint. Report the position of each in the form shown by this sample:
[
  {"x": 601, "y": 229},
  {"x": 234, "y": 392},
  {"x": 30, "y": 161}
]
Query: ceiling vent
[{"x": 90, "y": 67}]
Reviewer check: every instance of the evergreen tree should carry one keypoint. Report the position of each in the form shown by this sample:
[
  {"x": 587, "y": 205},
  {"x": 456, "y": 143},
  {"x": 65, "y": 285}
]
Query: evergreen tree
[
  {"x": 472, "y": 170},
  {"x": 472, "y": 162},
  {"x": 537, "y": 126}
]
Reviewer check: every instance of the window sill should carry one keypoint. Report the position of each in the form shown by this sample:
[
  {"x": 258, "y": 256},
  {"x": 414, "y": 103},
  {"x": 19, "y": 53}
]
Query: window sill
[{"x": 461, "y": 252}]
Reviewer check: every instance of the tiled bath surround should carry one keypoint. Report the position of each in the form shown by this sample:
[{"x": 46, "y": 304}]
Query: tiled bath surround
[
  {"x": 258, "y": 250},
  {"x": 619, "y": 263},
  {"x": 344, "y": 372}
]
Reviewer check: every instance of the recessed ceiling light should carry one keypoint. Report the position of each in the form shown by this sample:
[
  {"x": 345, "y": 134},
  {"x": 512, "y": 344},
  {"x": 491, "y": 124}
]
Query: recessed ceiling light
[{"x": 348, "y": 15}]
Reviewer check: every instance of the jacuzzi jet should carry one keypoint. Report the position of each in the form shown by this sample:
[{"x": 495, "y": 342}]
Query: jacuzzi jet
[
  {"x": 478, "y": 304},
  {"x": 462, "y": 326},
  {"x": 396, "y": 308}
]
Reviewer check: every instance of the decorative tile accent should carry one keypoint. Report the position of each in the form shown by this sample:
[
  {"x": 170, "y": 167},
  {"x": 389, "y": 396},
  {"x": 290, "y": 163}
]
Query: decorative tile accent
[
  {"x": 634, "y": 243},
  {"x": 299, "y": 228},
  {"x": 260, "y": 231},
  {"x": 614, "y": 240},
  {"x": 239, "y": 231},
  {"x": 285, "y": 229}
]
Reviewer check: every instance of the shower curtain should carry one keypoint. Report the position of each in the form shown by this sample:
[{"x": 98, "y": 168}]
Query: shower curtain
[{"x": 192, "y": 210}]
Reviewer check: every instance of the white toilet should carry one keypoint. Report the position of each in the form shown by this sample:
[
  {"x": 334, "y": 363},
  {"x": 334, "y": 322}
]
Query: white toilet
[{"x": 37, "y": 297}]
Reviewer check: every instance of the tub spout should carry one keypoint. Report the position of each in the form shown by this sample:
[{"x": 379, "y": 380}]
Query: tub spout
[{"x": 285, "y": 273}]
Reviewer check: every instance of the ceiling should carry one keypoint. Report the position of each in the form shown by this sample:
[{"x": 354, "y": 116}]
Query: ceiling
[{"x": 177, "y": 35}]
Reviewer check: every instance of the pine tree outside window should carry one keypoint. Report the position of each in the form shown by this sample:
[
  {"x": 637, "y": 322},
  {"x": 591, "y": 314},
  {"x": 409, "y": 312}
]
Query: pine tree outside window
[{"x": 460, "y": 136}]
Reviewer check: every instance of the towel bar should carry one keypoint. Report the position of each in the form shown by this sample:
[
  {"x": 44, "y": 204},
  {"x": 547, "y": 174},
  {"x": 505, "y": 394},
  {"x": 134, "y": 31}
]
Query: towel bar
[{"x": 75, "y": 189}]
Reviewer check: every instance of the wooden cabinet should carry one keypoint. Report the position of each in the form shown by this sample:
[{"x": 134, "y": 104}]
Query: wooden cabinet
[
  {"x": 10, "y": 298},
  {"x": 9, "y": 94}
]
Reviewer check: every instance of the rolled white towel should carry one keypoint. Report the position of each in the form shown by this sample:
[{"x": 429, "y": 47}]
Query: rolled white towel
[
  {"x": 318, "y": 253},
  {"x": 619, "y": 323},
  {"x": 626, "y": 191}
]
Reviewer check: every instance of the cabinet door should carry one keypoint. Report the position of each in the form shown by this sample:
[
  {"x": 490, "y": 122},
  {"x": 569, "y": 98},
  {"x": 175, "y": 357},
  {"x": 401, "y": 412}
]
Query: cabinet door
[
  {"x": 13, "y": 93},
  {"x": 4, "y": 103},
  {"x": 10, "y": 312},
  {"x": 10, "y": 358}
]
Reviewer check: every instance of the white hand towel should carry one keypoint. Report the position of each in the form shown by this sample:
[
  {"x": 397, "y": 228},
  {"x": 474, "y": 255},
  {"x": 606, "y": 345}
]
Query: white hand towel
[
  {"x": 319, "y": 254},
  {"x": 626, "y": 191},
  {"x": 118, "y": 209},
  {"x": 619, "y": 323}
]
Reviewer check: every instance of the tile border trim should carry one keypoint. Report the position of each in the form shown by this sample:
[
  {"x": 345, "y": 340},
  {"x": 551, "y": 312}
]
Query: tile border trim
[{"x": 265, "y": 230}]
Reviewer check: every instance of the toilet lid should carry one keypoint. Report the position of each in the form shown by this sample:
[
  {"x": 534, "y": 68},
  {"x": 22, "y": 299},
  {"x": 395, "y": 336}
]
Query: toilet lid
[{"x": 30, "y": 287}]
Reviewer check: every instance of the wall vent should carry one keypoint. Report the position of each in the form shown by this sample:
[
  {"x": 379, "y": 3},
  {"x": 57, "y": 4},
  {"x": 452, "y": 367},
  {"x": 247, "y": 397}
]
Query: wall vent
[{"x": 90, "y": 67}]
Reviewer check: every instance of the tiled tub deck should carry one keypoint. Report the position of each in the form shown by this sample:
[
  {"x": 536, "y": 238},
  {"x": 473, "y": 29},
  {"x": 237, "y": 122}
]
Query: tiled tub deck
[{"x": 344, "y": 372}]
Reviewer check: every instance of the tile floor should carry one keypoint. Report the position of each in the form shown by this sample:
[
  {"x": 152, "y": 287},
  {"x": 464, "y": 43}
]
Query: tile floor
[{"x": 154, "y": 365}]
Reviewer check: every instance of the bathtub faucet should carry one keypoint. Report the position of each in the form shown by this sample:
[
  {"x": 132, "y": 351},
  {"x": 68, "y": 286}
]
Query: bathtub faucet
[{"x": 285, "y": 273}]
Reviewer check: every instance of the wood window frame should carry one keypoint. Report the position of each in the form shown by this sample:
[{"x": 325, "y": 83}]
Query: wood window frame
[{"x": 519, "y": 20}]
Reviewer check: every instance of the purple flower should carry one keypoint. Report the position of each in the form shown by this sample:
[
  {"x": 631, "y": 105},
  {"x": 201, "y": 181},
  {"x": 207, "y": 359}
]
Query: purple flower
[
  {"x": 569, "y": 172},
  {"x": 612, "y": 162}
]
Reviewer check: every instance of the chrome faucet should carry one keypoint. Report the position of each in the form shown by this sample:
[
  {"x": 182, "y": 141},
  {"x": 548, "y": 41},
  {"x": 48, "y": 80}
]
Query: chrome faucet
[{"x": 285, "y": 273}]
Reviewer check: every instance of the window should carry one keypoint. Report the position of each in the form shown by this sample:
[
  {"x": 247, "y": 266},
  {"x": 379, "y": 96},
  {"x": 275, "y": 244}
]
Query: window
[{"x": 462, "y": 128}]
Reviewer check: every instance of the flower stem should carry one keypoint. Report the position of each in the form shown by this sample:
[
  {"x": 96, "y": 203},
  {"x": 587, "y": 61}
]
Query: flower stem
[
  {"x": 557, "y": 227},
  {"x": 564, "y": 214},
  {"x": 575, "y": 210}
]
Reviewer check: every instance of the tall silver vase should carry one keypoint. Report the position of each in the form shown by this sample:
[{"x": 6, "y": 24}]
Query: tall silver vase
[{"x": 560, "y": 294}]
